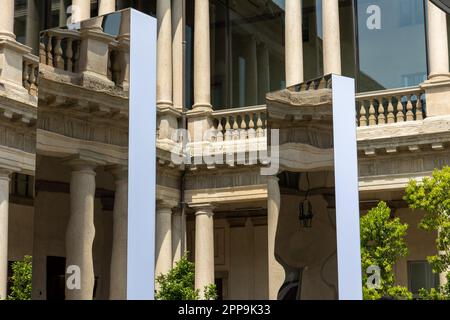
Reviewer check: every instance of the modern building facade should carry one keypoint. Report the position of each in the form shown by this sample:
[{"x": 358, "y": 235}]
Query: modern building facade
[{"x": 234, "y": 69}]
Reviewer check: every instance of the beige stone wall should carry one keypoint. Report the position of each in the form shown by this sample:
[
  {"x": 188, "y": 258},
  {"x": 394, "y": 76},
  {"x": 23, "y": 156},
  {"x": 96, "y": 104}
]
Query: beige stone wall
[
  {"x": 52, "y": 213},
  {"x": 421, "y": 244},
  {"x": 20, "y": 231},
  {"x": 240, "y": 254}
]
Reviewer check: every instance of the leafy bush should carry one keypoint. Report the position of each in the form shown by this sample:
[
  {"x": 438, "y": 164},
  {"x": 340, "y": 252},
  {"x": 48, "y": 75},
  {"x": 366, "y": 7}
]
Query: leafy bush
[
  {"x": 179, "y": 284},
  {"x": 21, "y": 279},
  {"x": 382, "y": 244},
  {"x": 433, "y": 196}
]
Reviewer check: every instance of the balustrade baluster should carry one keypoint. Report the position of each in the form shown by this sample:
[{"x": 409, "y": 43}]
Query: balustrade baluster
[
  {"x": 381, "y": 116},
  {"x": 363, "y": 116},
  {"x": 228, "y": 134},
  {"x": 419, "y": 107},
  {"x": 42, "y": 53},
  {"x": 49, "y": 50},
  {"x": 390, "y": 110},
  {"x": 33, "y": 80},
  {"x": 409, "y": 109},
  {"x": 219, "y": 137},
  {"x": 259, "y": 127},
  {"x": 372, "y": 117},
  {"x": 26, "y": 76},
  {"x": 69, "y": 54},
  {"x": 400, "y": 112}
]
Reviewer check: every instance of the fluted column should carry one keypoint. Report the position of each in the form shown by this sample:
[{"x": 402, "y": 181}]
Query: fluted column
[
  {"x": 7, "y": 19},
  {"x": 62, "y": 13},
  {"x": 251, "y": 76},
  {"x": 164, "y": 67},
  {"x": 4, "y": 207},
  {"x": 294, "y": 42},
  {"x": 177, "y": 54},
  {"x": 118, "y": 274},
  {"x": 276, "y": 271},
  {"x": 106, "y": 6},
  {"x": 163, "y": 240},
  {"x": 204, "y": 248},
  {"x": 178, "y": 222},
  {"x": 331, "y": 37},
  {"x": 263, "y": 73},
  {"x": 82, "y": 10},
  {"x": 80, "y": 231},
  {"x": 202, "y": 61},
  {"x": 437, "y": 43},
  {"x": 32, "y": 25}
]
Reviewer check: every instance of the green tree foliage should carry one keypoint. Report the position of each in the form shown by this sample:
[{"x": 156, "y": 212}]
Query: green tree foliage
[
  {"x": 179, "y": 283},
  {"x": 433, "y": 196},
  {"x": 382, "y": 244},
  {"x": 21, "y": 280}
]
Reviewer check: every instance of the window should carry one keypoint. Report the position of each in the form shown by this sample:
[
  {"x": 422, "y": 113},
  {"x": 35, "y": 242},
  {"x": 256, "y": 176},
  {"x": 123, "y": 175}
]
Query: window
[
  {"x": 247, "y": 52},
  {"x": 22, "y": 185},
  {"x": 391, "y": 44},
  {"x": 20, "y": 19},
  {"x": 421, "y": 276}
]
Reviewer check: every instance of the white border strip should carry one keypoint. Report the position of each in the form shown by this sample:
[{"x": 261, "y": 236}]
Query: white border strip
[
  {"x": 346, "y": 186},
  {"x": 142, "y": 158}
]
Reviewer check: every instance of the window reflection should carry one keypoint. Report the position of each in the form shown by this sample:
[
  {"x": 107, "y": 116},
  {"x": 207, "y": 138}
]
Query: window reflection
[
  {"x": 247, "y": 52},
  {"x": 392, "y": 50}
]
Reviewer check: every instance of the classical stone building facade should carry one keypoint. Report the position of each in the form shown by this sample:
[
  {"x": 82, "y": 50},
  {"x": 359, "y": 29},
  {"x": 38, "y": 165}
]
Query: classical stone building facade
[{"x": 234, "y": 69}]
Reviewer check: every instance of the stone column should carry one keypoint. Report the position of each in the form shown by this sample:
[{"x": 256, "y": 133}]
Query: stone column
[
  {"x": 177, "y": 54},
  {"x": 276, "y": 271},
  {"x": 163, "y": 239},
  {"x": 294, "y": 42},
  {"x": 32, "y": 25},
  {"x": 177, "y": 236},
  {"x": 164, "y": 69},
  {"x": 251, "y": 72},
  {"x": 4, "y": 206},
  {"x": 62, "y": 13},
  {"x": 106, "y": 6},
  {"x": 331, "y": 37},
  {"x": 80, "y": 231},
  {"x": 82, "y": 10},
  {"x": 263, "y": 73},
  {"x": 202, "y": 62},
  {"x": 437, "y": 43},
  {"x": 118, "y": 274},
  {"x": 204, "y": 248},
  {"x": 7, "y": 19}
]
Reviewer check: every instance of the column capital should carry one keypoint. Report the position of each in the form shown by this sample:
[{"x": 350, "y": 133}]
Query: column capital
[
  {"x": 164, "y": 206},
  {"x": 81, "y": 165},
  {"x": 204, "y": 209},
  {"x": 119, "y": 172},
  {"x": 273, "y": 179},
  {"x": 5, "y": 174}
]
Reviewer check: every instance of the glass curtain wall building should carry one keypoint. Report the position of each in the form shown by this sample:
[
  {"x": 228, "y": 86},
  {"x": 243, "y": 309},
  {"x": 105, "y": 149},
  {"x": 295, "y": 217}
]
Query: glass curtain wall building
[{"x": 248, "y": 49}]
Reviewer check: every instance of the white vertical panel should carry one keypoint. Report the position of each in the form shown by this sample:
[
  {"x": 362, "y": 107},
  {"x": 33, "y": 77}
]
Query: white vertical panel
[
  {"x": 142, "y": 158},
  {"x": 346, "y": 186}
]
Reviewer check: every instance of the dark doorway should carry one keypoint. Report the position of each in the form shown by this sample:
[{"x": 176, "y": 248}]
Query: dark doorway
[{"x": 56, "y": 267}]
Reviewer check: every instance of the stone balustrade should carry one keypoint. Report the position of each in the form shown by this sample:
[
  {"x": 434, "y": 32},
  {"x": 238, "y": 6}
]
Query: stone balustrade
[
  {"x": 390, "y": 106},
  {"x": 30, "y": 73},
  {"x": 239, "y": 124},
  {"x": 60, "y": 49},
  {"x": 313, "y": 84}
]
